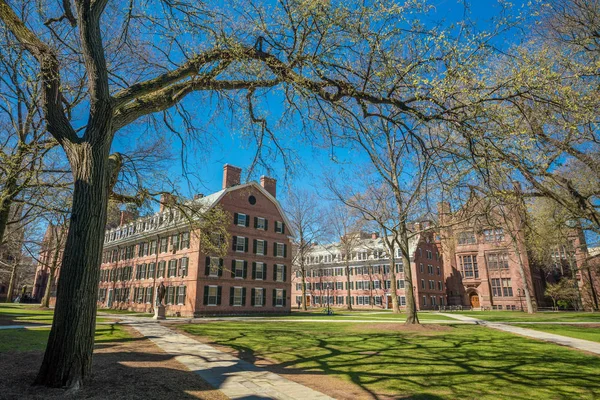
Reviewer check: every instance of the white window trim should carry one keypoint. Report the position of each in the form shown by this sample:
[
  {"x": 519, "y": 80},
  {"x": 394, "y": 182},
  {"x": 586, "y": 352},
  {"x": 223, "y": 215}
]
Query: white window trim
[
  {"x": 216, "y": 295},
  {"x": 261, "y": 297},
  {"x": 236, "y": 269},
  {"x": 241, "y": 296},
  {"x": 262, "y": 270},
  {"x": 239, "y": 219}
]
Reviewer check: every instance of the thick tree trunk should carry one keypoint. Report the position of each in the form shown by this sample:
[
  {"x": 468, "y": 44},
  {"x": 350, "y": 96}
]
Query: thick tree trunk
[
  {"x": 411, "y": 305},
  {"x": 592, "y": 289},
  {"x": 11, "y": 285},
  {"x": 68, "y": 358},
  {"x": 528, "y": 299},
  {"x": 4, "y": 215}
]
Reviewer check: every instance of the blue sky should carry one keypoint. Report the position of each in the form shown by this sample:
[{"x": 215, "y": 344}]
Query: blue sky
[{"x": 206, "y": 160}]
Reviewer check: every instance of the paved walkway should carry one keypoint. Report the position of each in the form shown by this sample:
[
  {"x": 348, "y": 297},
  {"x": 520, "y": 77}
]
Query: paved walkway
[
  {"x": 586, "y": 345},
  {"x": 236, "y": 378}
]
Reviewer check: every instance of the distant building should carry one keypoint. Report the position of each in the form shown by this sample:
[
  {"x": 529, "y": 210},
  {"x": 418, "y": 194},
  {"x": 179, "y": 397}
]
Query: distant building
[
  {"x": 370, "y": 277},
  {"x": 50, "y": 258},
  {"x": 254, "y": 276},
  {"x": 11, "y": 254}
]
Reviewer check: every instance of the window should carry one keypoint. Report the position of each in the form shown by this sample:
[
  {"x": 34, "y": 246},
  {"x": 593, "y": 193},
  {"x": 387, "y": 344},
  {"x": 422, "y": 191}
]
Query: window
[
  {"x": 161, "y": 269},
  {"x": 153, "y": 247},
  {"x": 149, "y": 295},
  {"x": 214, "y": 263},
  {"x": 151, "y": 270},
  {"x": 175, "y": 242},
  {"x": 259, "y": 247},
  {"x": 240, "y": 244},
  {"x": 164, "y": 243},
  {"x": 258, "y": 295},
  {"x": 339, "y": 300},
  {"x": 185, "y": 240},
  {"x": 424, "y": 300},
  {"x": 241, "y": 219},
  {"x": 421, "y": 268},
  {"x": 260, "y": 223},
  {"x": 183, "y": 266},
  {"x": 279, "y": 272},
  {"x": 238, "y": 269},
  {"x": 497, "y": 260},
  {"x": 440, "y": 286},
  {"x": 422, "y": 283},
  {"x": 493, "y": 235},
  {"x": 170, "y": 294},
  {"x": 467, "y": 237},
  {"x": 496, "y": 288},
  {"x": 181, "y": 295},
  {"x": 402, "y": 300},
  {"x": 429, "y": 254},
  {"x": 507, "y": 287},
  {"x": 399, "y": 267},
  {"x": 430, "y": 269},
  {"x": 376, "y": 284},
  {"x": 212, "y": 296},
  {"x": 237, "y": 296},
  {"x": 468, "y": 266},
  {"x": 259, "y": 270},
  {"x": 172, "y": 268},
  {"x": 279, "y": 227},
  {"x": 278, "y": 297},
  {"x": 280, "y": 250},
  {"x": 439, "y": 271},
  {"x": 339, "y": 285}
]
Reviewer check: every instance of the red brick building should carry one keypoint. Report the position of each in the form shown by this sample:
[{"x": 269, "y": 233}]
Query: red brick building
[
  {"x": 482, "y": 249},
  {"x": 49, "y": 262},
  {"x": 370, "y": 275}
]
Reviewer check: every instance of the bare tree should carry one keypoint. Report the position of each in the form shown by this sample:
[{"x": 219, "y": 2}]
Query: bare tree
[
  {"x": 306, "y": 217},
  {"x": 328, "y": 59}
]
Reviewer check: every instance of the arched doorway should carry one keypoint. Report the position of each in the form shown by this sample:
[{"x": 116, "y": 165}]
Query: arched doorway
[{"x": 474, "y": 300}]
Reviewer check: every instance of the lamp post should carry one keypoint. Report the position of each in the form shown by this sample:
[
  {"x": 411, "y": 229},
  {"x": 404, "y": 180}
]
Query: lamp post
[{"x": 520, "y": 298}]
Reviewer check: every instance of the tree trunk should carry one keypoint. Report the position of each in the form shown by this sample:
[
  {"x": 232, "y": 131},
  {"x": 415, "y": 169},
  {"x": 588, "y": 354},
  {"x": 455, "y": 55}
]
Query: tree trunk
[
  {"x": 411, "y": 305},
  {"x": 46, "y": 298},
  {"x": 592, "y": 288},
  {"x": 4, "y": 215},
  {"x": 11, "y": 285},
  {"x": 528, "y": 299},
  {"x": 68, "y": 357},
  {"x": 303, "y": 271},
  {"x": 348, "y": 291}
]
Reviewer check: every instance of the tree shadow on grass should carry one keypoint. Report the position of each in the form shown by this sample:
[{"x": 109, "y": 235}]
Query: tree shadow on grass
[{"x": 464, "y": 363}]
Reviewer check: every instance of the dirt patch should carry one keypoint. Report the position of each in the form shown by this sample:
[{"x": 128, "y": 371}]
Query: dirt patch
[
  {"x": 332, "y": 386},
  {"x": 133, "y": 368},
  {"x": 421, "y": 328}
]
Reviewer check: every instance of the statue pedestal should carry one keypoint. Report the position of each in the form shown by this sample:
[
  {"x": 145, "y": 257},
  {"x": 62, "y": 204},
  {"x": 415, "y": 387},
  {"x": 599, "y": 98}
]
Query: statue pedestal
[{"x": 159, "y": 312}]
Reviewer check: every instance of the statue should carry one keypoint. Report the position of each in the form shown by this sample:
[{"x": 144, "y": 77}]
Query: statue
[
  {"x": 160, "y": 294},
  {"x": 159, "y": 310}
]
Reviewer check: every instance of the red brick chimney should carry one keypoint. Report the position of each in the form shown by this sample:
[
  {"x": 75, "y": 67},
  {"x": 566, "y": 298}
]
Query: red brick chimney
[
  {"x": 126, "y": 217},
  {"x": 231, "y": 176},
  {"x": 166, "y": 200},
  {"x": 269, "y": 184}
]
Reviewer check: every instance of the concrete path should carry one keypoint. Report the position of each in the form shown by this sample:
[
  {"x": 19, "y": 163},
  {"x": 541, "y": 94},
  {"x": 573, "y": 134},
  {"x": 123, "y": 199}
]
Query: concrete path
[
  {"x": 586, "y": 345},
  {"x": 236, "y": 378}
]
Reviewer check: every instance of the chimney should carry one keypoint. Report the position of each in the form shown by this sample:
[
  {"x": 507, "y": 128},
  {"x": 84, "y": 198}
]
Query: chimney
[
  {"x": 374, "y": 235},
  {"x": 269, "y": 184},
  {"x": 231, "y": 176},
  {"x": 126, "y": 217},
  {"x": 166, "y": 200}
]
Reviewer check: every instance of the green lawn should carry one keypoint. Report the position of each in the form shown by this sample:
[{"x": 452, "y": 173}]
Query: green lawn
[
  {"x": 546, "y": 316},
  {"x": 363, "y": 315},
  {"x": 576, "y": 331},
  {"x": 431, "y": 362},
  {"x": 16, "y": 314},
  {"x": 36, "y": 339}
]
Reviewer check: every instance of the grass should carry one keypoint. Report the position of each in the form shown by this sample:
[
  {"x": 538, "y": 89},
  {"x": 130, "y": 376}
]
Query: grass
[
  {"x": 430, "y": 362},
  {"x": 16, "y": 314},
  {"x": 364, "y": 315},
  {"x": 575, "y": 331},
  {"x": 546, "y": 316},
  {"x": 36, "y": 339}
]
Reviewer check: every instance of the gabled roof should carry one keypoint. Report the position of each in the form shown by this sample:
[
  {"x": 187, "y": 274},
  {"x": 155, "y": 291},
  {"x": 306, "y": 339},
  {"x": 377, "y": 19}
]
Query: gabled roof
[
  {"x": 362, "y": 245},
  {"x": 214, "y": 198}
]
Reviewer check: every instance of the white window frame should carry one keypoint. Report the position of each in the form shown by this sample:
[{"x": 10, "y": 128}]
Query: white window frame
[
  {"x": 279, "y": 249},
  {"x": 241, "y": 243},
  {"x": 260, "y": 223},
  {"x": 238, "y": 297},
  {"x": 239, "y": 265},
  {"x": 278, "y": 297},
  {"x": 260, "y": 266},
  {"x": 279, "y": 272},
  {"x": 260, "y": 251},
  {"x": 213, "y": 269},
  {"x": 216, "y": 289},
  {"x": 258, "y": 297},
  {"x": 242, "y": 217}
]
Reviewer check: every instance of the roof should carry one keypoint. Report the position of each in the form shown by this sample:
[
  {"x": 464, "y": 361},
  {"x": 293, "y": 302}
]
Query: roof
[
  {"x": 363, "y": 244},
  {"x": 156, "y": 222}
]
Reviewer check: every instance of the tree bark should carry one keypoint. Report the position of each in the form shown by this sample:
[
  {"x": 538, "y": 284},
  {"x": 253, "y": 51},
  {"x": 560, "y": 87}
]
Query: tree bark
[
  {"x": 526, "y": 291},
  {"x": 348, "y": 291},
  {"x": 68, "y": 358},
  {"x": 303, "y": 271},
  {"x": 411, "y": 305},
  {"x": 4, "y": 215},
  {"x": 11, "y": 285}
]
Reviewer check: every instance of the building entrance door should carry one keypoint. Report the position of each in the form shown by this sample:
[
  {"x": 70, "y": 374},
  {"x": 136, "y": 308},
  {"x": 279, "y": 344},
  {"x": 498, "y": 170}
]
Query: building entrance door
[
  {"x": 389, "y": 303},
  {"x": 307, "y": 301},
  {"x": 474, "y": 300}
]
